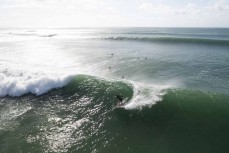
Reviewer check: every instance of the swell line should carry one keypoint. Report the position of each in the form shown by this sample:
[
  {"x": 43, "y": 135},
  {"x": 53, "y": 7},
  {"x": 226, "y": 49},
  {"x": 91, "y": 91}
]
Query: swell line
[{"x": 170, "y": 40}]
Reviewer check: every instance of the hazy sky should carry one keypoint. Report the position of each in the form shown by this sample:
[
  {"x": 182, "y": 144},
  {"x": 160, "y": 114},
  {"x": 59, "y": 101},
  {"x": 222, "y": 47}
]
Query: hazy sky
[{"x": 89, "y": 13}]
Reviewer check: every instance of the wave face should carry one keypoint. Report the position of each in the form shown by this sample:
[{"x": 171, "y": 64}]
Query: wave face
[
  {"x": 82, "y": 113},
  {"x": 183, "y": 121}
]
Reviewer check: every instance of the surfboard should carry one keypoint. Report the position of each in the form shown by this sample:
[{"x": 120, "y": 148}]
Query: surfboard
[{"x": 119, "y": 107}]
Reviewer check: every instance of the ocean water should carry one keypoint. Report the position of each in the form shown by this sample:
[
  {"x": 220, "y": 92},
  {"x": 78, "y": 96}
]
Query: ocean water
[{"x": 58, "y": 89}]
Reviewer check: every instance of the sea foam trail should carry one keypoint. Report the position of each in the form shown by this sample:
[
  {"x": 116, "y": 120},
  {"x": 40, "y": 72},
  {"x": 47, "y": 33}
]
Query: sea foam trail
[{"x": 18, "y": 84}]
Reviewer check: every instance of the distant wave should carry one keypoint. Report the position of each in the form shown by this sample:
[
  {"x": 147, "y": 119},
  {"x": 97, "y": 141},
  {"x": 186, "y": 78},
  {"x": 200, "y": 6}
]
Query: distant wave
[
  {"x": 22, "y": 34},
  {"x": 170, "y": 34},
  {"x": 29, "y": 33},
  {"x": 170, "y": 40},
  {"x": 48, "y": 35}
]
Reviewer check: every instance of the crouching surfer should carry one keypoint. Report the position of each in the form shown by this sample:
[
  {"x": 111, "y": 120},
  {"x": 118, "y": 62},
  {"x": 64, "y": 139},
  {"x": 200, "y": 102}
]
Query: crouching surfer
[{"x": 120, "y": 100}]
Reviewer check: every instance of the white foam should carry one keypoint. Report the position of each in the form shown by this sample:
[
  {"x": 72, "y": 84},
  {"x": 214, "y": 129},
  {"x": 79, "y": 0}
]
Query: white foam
[
  {"x": 17, "y": 84},
  {"x": 146, "y": 95}
]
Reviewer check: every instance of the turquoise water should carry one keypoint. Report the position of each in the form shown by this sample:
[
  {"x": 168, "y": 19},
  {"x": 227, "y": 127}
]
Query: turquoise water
[{"x": 58, "y": 88}]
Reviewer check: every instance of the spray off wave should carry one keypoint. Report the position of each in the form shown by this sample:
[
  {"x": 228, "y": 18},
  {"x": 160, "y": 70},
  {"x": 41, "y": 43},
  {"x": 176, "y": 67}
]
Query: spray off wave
[{"x": 145, "y": 95}]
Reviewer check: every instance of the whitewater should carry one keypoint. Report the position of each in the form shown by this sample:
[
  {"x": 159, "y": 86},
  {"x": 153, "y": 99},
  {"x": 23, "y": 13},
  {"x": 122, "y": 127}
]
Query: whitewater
[{"x": 58, "y": 89}]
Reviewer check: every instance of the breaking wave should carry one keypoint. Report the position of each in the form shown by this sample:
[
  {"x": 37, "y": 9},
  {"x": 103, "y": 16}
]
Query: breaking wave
[{"x": 18, "y": 84}]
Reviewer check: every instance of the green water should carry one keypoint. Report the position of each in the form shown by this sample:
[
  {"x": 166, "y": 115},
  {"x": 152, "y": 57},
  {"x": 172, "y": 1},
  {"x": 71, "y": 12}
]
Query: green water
[
  {"x": 67, "y": 120},
  {"x": 58, "y": 93}
]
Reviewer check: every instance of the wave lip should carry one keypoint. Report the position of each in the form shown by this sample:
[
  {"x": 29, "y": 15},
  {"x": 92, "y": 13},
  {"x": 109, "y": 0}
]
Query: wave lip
[{"x": 16, "y": 85}]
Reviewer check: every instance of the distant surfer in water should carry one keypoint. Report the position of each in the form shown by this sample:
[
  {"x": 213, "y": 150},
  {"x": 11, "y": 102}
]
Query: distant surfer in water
[{"x": 120, "y": 99}]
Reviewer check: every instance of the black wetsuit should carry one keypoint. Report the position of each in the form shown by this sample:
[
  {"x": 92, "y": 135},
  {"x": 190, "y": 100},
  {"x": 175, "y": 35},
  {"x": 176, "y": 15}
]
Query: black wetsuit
[{"x": 119, "y": 98}]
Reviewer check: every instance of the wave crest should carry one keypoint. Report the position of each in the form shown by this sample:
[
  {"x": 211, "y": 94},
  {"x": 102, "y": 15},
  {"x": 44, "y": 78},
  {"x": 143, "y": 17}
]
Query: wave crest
[{"x": 19, "y": 84}]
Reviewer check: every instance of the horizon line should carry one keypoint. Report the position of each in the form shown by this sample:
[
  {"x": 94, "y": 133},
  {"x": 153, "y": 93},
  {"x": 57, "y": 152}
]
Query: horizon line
[{"x": 111, "y": 27}]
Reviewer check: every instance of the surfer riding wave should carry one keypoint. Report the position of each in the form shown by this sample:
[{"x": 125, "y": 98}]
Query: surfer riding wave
[{"x": 120, "y": 100}]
